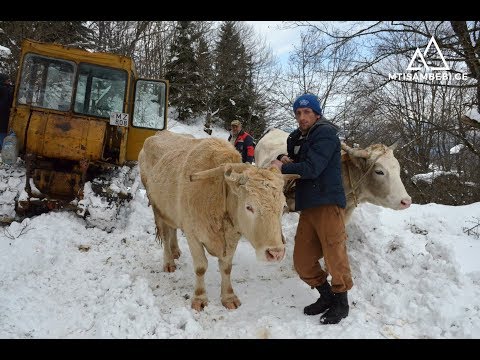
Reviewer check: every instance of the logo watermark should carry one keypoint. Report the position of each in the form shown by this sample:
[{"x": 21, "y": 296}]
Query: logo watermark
[{"x": 432, "y": 72}]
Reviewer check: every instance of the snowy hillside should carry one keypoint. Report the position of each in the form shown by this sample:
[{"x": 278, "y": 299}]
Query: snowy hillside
[{"x": 416, "y": 275}]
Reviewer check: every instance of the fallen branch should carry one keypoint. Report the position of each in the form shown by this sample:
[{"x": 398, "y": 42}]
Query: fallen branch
[
  {"x": 23, "y": 231},
  {"x": 474, "y": 230}
]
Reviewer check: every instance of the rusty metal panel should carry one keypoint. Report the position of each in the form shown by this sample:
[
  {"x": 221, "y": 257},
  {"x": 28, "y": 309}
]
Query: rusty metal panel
[
  {"x": 57, "y": 183},
  {"x": 123, "y": 145},
  {"x": 72, "y": 138},
  {"x": 18, "y": 123},
  {"x": 35, "y": 133}
]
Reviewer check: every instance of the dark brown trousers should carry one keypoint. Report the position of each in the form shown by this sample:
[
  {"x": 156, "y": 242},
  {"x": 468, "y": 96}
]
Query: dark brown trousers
[{"x": 321, "y": 233}]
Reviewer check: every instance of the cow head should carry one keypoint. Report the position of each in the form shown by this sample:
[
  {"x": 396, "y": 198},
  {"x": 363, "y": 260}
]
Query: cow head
[
  {"x": 255, "y": 203},
  {"x": 257, "y": 208},
  {"x": 382, "y": 185}
]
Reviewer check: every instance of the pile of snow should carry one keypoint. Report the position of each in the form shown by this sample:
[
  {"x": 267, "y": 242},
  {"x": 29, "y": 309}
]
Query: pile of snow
[
  {"x": 415, "y": 272},
  {"x": 101, "y": 208},
  {"x": 12, "y": 183},
  {"x": 430, "y": 176},
  {"x": 196, "y": 129}
]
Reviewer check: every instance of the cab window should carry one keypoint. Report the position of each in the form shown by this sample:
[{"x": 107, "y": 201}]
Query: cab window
[
  {"x": 100, "y": 90},
  {"x": 149, "y": 104},
  {"x": 46, "y": 82}
]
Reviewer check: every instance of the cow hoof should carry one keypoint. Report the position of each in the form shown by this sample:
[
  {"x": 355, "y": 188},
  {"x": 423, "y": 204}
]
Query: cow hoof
[
  {"x": 176, "y": 253},
  {"x": 199, "y": 304},
  {"x": 169, "y": 268},
  {"x": 232, "y": 303}
]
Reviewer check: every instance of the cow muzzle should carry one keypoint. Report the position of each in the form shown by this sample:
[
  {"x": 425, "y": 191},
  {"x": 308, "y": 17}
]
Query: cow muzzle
[
  {"x": 275, "y": 254},
  {"x": 405, "y": 203}
]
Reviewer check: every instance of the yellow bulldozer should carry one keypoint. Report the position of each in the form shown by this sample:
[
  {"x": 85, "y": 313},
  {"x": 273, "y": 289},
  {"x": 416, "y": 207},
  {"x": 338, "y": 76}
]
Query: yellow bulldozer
[{"x": 78, "y": 116}]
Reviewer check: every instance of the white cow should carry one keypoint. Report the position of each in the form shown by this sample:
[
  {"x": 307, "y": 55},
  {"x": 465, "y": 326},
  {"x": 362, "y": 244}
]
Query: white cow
[
  {"x": 202, "y": 187},
  {"x": 369, "y": 175}
]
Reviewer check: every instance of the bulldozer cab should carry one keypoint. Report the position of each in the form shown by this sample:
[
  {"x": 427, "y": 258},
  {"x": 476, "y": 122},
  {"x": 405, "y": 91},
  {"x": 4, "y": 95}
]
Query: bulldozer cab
[{"x": 75, "y": 112}]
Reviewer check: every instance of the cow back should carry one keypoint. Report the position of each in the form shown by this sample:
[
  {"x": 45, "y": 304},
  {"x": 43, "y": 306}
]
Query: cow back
[
  {"x": 272, "y": 144},
  {"x": 166, "y": 163}
]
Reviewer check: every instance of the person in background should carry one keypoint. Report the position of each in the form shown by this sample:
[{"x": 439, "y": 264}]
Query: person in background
[
  {"x": 242, "y": 141},
  {"x": 6, "y": 99},
  {"x": 314, "y": 154}
]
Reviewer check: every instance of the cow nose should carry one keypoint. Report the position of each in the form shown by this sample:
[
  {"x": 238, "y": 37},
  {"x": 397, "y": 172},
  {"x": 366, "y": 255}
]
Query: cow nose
[
  {"x": 405, "y": 203},
  {"x": 275, "y": 254}
]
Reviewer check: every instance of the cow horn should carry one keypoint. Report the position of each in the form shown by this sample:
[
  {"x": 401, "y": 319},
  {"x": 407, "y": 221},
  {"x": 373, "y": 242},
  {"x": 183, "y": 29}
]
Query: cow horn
[
  {"x": 218, "y": 171},
  {"x": 394, "y": 145},
  {"x": 361, "y": 153}
]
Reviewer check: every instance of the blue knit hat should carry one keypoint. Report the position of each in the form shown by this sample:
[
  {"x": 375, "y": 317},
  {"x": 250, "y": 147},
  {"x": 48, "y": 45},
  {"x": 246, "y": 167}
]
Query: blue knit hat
[{"x": 309, "y": 101}]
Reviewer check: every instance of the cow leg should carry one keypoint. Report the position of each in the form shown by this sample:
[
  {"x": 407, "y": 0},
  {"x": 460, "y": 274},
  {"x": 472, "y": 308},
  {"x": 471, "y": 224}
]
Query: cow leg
[
  {"x": 167, "y": 235},
  {"x": 174, "y": 249},
  {"x": 228, "y": 297},
  {"x": 170, "y": 235},
  {"x": 200, "y": 264}
]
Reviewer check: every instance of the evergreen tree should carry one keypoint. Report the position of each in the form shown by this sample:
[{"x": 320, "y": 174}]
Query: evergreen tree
[
  {"x": 252, "y": 111},
  {"x": 236, "y": 96},
  {"x": 182, "y": 70},
  {"x": 231, "y": 74}
]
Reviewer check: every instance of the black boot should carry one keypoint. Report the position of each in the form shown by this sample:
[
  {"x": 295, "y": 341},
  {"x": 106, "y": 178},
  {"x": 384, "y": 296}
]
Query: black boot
[
  {"x": 323, "y": 303},
  {"x": 337, "y": 311}
]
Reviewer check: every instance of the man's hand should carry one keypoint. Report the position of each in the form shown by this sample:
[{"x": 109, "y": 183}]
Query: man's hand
[{"x": 285, "y": 159}]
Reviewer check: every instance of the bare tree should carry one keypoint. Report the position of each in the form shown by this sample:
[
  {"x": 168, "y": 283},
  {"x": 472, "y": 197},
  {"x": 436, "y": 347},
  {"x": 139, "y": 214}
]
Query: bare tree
[
  {"x": 152, "y": 50},
  {"x": 315, "y": 67},
  {"x": 427, "y": 116}
]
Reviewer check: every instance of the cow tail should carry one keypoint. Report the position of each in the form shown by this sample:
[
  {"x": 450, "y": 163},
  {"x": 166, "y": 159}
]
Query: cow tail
[{"x": 157, "y": 237}]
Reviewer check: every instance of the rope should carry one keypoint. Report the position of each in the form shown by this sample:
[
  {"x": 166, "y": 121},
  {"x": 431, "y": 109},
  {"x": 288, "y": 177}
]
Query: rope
[
  {"x": 351, "y": 184},
  {"x": 355, "y": 187},
  {"x": 225, "y": 217}
]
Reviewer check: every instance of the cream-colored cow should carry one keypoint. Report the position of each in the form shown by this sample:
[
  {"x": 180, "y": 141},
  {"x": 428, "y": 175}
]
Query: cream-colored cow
[
  {"x": 369, "y": 175},
  {"x": 202, "y": 187}
]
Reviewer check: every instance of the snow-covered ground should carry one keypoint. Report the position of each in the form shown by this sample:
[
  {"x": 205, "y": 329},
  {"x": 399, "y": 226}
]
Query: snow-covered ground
[{"x": 416, "y": 275}]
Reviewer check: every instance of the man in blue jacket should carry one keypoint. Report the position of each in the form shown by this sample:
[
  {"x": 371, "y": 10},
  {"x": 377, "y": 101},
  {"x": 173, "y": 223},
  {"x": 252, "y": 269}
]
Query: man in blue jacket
[{"x": 314, "y": 154}]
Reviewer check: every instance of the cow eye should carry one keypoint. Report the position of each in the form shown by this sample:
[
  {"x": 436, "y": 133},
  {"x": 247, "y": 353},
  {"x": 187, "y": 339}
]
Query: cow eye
[
  {"x": 379, "y": 172},
  {"x": 249, "y": 208}
]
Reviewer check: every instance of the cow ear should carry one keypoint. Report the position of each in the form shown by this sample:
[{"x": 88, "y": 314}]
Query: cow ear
[
  {"x": 394, "y": 145},
  {"x": 359, "y": 162},
  {"x": 235, "y": 179}
]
